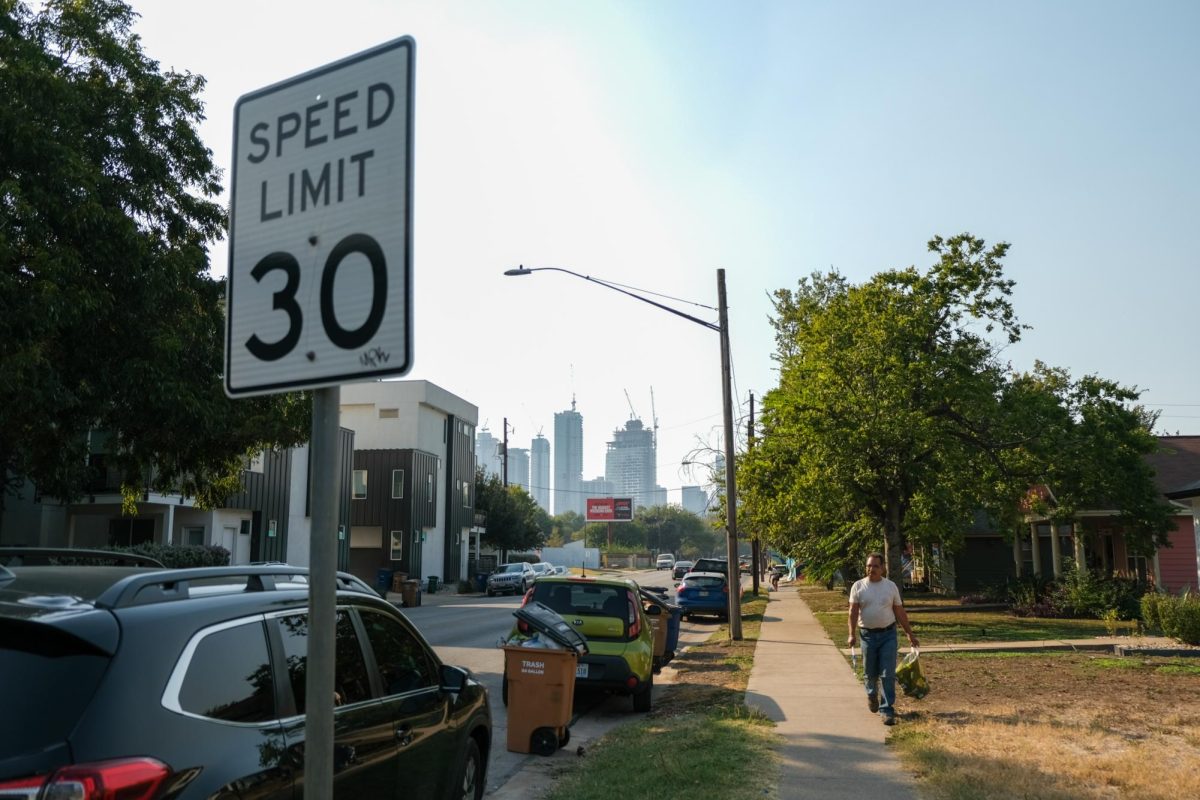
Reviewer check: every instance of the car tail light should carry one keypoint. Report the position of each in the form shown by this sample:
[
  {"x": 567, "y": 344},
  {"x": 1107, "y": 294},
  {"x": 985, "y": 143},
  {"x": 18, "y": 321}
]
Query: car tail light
[
  {"x": 528, "y": 596},
  {"x": 679, "y": 589},
  {"x": 635, "y": 617},
  {"x": 631, "y": 681},
  {"x": 123, "y": 779}
]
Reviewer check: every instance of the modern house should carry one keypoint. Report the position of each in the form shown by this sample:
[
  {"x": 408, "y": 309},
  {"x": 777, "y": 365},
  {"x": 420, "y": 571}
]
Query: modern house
[
  {"x": 413, "y": 484},
  {"x": 269, "y": 520}
]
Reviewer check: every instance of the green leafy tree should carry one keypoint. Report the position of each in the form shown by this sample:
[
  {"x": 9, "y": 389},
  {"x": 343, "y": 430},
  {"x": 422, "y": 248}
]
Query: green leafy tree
[
  {"x": 110, "y": 318},
  {"x": 884, "y": 428},
  {"x": 1086, "y": 440},
  {"x": 514, "y": 520},
  {"x": 671, "y": 529}
]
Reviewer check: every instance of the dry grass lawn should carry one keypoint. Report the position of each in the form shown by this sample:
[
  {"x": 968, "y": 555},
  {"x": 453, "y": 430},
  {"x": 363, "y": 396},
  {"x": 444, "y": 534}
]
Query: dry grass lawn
[{"x": 1054, "y": 726}]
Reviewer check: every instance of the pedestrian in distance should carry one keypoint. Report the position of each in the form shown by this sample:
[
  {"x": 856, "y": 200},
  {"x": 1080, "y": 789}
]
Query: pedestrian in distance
[{"x": 875, "y": 608}]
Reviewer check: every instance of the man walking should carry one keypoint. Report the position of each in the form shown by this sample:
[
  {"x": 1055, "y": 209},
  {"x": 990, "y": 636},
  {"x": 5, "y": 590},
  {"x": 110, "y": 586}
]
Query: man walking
[{"x": 875, "y": 607}]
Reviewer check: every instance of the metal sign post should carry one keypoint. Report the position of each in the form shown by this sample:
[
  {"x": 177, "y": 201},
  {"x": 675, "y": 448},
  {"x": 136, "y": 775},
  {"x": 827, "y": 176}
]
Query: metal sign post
[{"x": 320, "y": 287}]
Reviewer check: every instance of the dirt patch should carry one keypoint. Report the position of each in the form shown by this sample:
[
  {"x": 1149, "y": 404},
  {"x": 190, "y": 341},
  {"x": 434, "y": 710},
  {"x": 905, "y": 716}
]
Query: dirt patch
[{"x": 1069, "y": 725}]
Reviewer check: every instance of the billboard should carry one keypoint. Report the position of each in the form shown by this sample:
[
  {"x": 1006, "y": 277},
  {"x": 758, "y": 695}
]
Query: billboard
[{"x": 609, "y": 509}]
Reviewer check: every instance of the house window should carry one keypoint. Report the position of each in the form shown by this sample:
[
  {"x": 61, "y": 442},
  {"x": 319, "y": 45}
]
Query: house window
[
  {"x": 429, "y": 486},
  {"x": 397, "y": 484},
  {"x": 360, "y": 484},
  {"x": 397, "y": 545},
  {"x": 245, "y": 529},
  {"x": 193, "y": 535}
]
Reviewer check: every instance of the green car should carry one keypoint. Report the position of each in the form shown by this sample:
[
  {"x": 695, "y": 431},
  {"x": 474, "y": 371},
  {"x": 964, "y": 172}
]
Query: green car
[{"x": 608, "y": 613}]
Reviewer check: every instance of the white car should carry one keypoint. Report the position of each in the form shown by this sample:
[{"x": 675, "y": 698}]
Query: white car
[
  {"x": 543, "y": 568},
  {"x": 665, "y": 561}
]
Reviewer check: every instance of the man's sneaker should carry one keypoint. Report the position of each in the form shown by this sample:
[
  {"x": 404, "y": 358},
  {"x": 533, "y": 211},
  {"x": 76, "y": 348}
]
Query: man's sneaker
[
  {"x": 889, "y": 719},
  {"x": 873, "y": 702}
]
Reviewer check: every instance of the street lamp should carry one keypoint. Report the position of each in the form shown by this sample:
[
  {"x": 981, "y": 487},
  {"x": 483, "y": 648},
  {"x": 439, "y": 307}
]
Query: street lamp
[{"x": 735, "y": 578}]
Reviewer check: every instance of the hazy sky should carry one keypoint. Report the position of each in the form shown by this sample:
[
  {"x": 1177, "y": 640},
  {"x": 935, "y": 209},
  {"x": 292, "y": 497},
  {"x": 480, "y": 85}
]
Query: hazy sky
[{"x": 651, "y": 143}]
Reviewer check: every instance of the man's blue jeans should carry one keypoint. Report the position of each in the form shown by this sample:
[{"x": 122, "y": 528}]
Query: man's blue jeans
[{"x": 879, "y": 664}]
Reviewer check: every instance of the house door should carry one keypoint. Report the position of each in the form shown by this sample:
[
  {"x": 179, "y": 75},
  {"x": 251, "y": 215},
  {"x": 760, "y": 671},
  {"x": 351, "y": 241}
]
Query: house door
[{"x": 229, "y": 542}]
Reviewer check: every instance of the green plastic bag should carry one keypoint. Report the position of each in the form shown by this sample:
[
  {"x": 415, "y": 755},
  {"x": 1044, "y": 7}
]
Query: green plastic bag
[{"x": 909, "y": 675}]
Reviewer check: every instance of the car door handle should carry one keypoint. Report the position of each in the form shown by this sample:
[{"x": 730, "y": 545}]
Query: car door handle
[{"x": 404, "y": 735}]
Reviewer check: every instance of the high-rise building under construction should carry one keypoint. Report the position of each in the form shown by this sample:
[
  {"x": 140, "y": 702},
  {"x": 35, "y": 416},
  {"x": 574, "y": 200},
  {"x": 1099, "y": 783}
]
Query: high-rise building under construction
[{"x": 631, "y": 463}]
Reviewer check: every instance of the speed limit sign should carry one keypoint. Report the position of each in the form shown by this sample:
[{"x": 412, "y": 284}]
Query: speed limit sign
[{"x": 320, "y": 235}]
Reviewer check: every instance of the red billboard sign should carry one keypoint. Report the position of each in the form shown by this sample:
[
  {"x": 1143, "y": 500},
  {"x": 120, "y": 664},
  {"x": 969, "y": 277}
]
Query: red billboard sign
[{"x": 609, "y": 509}]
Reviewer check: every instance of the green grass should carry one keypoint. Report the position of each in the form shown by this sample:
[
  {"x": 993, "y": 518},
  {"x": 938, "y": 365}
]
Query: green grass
[
  {"x": 1178, "y": 668},
  {"x": 720, "y": 753},
  {"x": 948, "y": 627}
]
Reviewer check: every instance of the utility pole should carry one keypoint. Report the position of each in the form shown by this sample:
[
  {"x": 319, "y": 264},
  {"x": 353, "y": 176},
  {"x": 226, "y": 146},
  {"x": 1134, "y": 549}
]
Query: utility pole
[
  {"x": 756, "y": 547},
  {"x": 735, "y": 593},
  {"x": 504, "y": 455}
]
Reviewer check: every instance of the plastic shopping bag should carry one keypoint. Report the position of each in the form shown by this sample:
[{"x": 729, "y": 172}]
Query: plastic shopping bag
[{"x": 909, "y": 675}]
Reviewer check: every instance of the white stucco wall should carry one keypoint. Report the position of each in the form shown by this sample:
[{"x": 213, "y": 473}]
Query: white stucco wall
[{"x": 299, "y": 525}]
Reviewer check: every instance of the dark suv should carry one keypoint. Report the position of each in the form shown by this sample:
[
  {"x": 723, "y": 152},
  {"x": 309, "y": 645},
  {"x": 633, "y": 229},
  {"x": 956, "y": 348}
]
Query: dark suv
[
  {"x": 149, "y": 682},
  {"x": 711, "y": 565}
]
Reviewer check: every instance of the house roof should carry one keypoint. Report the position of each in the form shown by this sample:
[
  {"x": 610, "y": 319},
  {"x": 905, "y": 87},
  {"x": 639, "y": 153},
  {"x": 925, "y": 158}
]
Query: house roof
[{"x": 1177, "y": 465}]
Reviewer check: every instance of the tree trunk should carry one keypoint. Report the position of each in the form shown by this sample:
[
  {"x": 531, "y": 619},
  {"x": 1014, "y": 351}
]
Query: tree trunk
[{"x": 893, "y": 543}]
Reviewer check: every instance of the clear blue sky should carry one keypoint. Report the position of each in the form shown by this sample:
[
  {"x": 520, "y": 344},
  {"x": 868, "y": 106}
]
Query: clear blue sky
[{"x": 650, "y": 143}]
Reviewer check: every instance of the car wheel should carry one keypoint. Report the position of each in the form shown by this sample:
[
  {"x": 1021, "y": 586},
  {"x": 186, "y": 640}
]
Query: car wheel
[
  {"x": 642, "y": 699},
  {"x": 470, "y": 782}
]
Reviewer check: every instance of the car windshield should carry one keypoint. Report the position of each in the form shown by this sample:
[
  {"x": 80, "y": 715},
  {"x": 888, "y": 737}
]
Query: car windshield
[
  {"x": 704, "y": 582},
  {"x": 513, "y": 568}
]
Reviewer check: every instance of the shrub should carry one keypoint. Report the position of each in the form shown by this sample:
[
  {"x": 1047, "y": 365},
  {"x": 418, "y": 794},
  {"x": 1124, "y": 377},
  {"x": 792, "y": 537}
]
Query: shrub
[
  {"x": 1150, "y": 610},
  {"x": 1084, "y": 594},
  {"x": 1180, "y": 617},
  {"x": 180, "y": 556}
]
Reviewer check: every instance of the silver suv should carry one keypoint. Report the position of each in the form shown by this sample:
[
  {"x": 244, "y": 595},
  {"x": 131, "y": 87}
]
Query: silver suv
[{"x": 514, "y": 578}]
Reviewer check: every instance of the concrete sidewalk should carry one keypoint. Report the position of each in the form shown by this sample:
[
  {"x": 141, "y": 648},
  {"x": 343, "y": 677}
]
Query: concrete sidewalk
[{"x": 833, "y": 746}]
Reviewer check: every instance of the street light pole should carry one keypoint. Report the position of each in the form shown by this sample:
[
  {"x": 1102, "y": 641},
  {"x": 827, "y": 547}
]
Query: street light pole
[{"x": 735, "y": 577}]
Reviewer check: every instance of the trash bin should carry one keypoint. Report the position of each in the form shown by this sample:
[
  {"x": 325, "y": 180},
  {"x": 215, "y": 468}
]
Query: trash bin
[
  {"x": 540, "y": 682},
  {"x": 665, "y": 624},
  {"x": 383, "y": 581},
  {"x": 481, "y": 581},
  {"x": 433, "y": 584},
  {"x": 398, "y": 579},
  {"x": 410, "y": 591}
]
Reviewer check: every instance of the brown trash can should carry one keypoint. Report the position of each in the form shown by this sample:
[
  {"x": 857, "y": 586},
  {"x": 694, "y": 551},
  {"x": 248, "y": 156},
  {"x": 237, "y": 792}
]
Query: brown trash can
[
  {"x": 398, "y": 579},
  {"x": 658, "y": 626},
  {"x": 410, "y": 592},
  {"x": 541, "y": 692}
]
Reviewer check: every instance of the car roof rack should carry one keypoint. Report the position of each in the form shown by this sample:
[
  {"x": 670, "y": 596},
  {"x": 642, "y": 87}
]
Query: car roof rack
[
  {"x": 29, "y": 556},
  {"x": 160, "y": 587}
]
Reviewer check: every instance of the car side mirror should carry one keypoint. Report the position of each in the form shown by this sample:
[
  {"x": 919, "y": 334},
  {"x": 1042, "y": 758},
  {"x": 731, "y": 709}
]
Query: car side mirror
[{"x": 454, "y": 680}]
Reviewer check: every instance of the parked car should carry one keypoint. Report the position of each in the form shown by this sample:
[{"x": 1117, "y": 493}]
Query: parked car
[
  {"x": 711, "y": 565},
  {"x": 665, "y": 561},
  {"x": 542, "y": 568},
  {"x": 608, "y": 612},
  {"x": 561, "y": 570},
  {"x": 703, "y": 593},
  {"x": 190, "y": 683},
  {"x": 680, "y": 569},
  {"x": 514, "y": 578}
]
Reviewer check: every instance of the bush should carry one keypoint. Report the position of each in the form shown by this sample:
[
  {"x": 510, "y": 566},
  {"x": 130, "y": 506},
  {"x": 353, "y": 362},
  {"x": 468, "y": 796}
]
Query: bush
[
  {"x": 1151, "y": 602},
  {"x": 1083, "y": 594},
  {"x": 1180, "y": 617},
  {"x": 180, "y": 556}
]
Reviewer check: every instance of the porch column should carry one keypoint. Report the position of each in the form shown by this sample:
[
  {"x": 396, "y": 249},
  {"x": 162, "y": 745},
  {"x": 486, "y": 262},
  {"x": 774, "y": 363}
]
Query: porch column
[
  {"x": 1105, "y": 564},
  {"x": 1017, "y": 551},
  {"x": 169, "y": 533},
  {"x": 1036, "y": 549},
  {"x": 1077, "y": 529},
  {"x": 1055, "y": 551},
  {"x": 1157, "y": 573}
]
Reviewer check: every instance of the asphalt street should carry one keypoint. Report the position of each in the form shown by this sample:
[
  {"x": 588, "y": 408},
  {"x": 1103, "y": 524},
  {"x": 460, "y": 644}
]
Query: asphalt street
[{"x": 467, "y": 631}]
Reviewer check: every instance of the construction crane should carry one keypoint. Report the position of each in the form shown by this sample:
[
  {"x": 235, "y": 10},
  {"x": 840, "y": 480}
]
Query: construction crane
[
  {"x": 632, "y": 414},
  {"x": 653, "y": 417}
]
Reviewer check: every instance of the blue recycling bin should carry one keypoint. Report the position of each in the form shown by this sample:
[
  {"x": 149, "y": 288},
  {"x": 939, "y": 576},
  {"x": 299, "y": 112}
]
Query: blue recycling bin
[
  {"x": 481, "y": 581},
  {"x": 383, "y": 581},
  {"x": 673, "y": 628}
]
